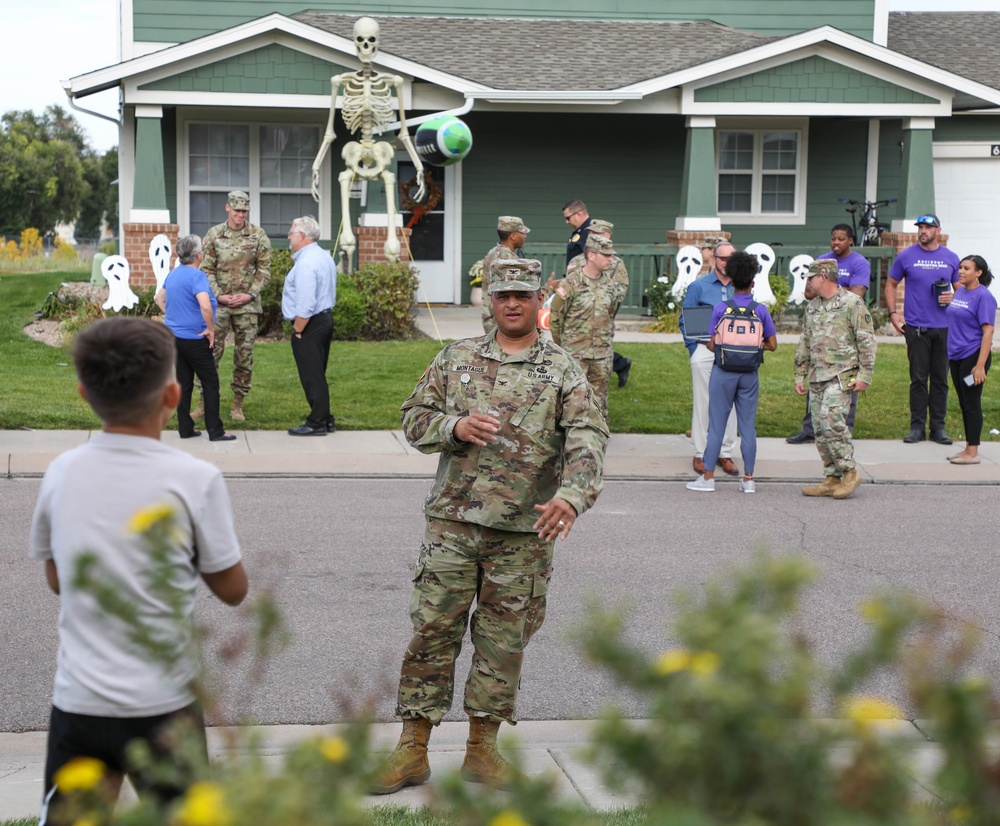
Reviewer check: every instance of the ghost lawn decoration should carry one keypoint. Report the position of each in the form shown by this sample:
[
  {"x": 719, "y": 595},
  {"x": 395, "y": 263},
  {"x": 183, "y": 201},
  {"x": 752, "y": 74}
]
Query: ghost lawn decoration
[
  {"x": 762, "y": 292},
  {"x": 689, "y": 263},
  {"x": 799, "y": 268},
  {"x": 367, "y": 108},
  {"x": 114, "y": 268},
  {"x": 160, "y": 250}
]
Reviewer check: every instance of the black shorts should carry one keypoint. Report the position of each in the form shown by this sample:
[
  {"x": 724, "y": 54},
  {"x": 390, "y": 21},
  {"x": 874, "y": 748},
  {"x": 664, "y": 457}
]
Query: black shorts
[{"x": 107, "y": 738}]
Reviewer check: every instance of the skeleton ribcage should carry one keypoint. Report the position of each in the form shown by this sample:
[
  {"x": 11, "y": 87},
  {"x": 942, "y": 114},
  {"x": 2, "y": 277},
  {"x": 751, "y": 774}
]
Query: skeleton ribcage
[{"x": 367, "y": 104}]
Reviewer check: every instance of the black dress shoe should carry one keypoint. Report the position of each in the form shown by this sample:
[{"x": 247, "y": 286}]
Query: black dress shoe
[
  {"x": 331, "y": 424},
  {"x": 225, "y": 437},
  {"x": 940, "y": 437},
  {"x": 306, "y": 430},
  {"x": 800, "y": 438},
  {"x": 623, "y": 373},
  {"x": 191, "y": 435},
  {"x": 914, "y": 436}
]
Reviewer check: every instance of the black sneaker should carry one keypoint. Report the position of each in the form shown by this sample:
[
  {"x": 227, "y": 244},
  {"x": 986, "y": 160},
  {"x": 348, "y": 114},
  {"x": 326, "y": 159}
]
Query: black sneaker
[
  {"x": 331, "y": 424},
  {"x": 306, "y": 430},
  {"x": 801, "y": 438}
]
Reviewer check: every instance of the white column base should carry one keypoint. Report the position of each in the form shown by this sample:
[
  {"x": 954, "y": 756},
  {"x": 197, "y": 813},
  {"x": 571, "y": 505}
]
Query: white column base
[
  {"x": 149, "y": 216},
  {"x": 689, "y": 224}
]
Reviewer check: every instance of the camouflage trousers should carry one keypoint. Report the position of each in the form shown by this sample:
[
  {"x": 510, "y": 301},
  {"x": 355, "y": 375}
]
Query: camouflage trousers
[
  {"x": 507, "y": 574},
  {"x": 598, "y": 372},
  {"x": 829, "y": 405},
  {"x": 244, "y": 328}
]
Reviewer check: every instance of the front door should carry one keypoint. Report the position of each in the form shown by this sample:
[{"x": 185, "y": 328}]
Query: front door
[{"x": 434, "y": 242}]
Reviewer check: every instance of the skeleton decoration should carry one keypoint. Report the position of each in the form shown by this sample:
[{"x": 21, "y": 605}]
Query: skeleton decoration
[
  {"x": 762, "y": 293},
  {"x": 160, "y": 250},
  {"x": 366, "y": 107},
  {"x": 689, "y": 263},
  {"x": 115, "y": 270},
  {"x": 799, "y": 268}
]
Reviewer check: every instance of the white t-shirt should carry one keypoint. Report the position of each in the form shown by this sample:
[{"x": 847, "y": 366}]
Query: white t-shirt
[{"x": 86, "y": 500}]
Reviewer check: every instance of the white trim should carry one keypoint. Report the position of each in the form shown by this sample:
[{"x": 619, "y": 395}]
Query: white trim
[
  {"x": 965, "y": 149},
  {"x": 904, "y": 225},
  {"x": 126, "y": 164},
  {"x": 126, "y": 25},
  {"x": 880, "y": 29},
  {"x": 150, "y": 112},
  {"x": 699, "y": 122},
  {"x": 149, "y": 216},
  {"x": 231, "y": 100},
  {"x": 871, "y": 171},
  {"x": 453, "y": 190},
  {"x": 378, "y": 219},
  {"x": 918, "y": 123},
  {"x": 689, "y": 224},
  {"x": 544, "y": 96}
]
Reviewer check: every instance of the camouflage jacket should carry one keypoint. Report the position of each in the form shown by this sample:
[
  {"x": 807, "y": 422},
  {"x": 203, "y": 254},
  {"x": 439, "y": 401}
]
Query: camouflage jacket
[
  {"x": 237, "y": 261},
  {"x": 617, "y": 269},
  {"x": 498, "y": 253},
  {"x": 837, "y": 335},
  {"x": 583, "y": 314},
  {"x": 551, "y": 440}
]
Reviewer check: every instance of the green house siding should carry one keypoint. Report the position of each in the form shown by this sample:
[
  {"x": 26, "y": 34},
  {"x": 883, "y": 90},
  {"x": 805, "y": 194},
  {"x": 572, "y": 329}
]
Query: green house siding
[
  {"x": 812, "y": 80},
  {"x": 272, "y": 69},
  {"x": 968, "y": 128},
  {"x": 181, "y": 20}
]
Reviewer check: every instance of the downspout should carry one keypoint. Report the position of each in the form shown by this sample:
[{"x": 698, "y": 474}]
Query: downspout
[{"x": 72, "y": 105}]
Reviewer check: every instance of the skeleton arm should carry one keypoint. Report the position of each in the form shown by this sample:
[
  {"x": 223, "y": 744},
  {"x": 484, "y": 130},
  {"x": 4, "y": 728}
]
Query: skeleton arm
[
  {"x": 404, "y": 138},
  {"x": 327, "y": 138}
]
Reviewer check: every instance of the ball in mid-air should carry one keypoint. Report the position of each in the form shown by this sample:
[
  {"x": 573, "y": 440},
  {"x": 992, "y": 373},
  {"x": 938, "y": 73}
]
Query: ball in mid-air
[{"x": 443, "y": 141}]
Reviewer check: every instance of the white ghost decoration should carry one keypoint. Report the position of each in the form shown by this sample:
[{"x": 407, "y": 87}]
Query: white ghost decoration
[
  {"x": 689, "y": 263},
  {"x": 762, "y": 293},
  {"x": 114, "y": 268},
  {"x": 160, "y": 250},
  {"x": 799, "y": 268}
]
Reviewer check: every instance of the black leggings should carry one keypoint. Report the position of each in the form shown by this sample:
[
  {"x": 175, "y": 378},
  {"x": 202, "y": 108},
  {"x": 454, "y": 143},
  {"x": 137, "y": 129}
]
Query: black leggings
[{"x": 970, "y": 398}]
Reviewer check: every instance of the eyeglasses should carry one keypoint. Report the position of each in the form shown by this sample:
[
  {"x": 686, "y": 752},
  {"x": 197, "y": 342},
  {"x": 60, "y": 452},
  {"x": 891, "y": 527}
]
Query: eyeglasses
[
  {"x": 567, "y": 217},
  {"x": 811, "y": 277}
]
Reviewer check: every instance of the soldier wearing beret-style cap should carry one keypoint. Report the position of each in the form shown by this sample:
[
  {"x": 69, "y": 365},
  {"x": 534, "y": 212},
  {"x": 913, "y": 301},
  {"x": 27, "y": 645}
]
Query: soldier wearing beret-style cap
[{"x": 511, "y": 232}]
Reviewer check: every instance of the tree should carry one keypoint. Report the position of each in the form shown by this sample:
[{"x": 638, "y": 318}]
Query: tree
[
  {"x": 41, "y": 170},
  {"x": 101, "y": 202}
]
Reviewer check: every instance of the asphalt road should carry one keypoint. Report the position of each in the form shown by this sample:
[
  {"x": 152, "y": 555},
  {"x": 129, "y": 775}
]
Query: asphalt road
[{"x": 338, "y": 556}]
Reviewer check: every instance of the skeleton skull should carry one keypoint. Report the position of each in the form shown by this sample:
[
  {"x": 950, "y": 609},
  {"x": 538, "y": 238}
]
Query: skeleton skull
[
  {"x": 799, "y": 268},
  {"x": 366, "y": 39}
]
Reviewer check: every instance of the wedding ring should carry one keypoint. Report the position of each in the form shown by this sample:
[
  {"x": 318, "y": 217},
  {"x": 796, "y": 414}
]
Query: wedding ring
[{"x": 562, "y": 524}]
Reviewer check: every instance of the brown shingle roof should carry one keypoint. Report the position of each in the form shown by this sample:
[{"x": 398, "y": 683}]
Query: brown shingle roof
[{"x": 961, "y": 42}]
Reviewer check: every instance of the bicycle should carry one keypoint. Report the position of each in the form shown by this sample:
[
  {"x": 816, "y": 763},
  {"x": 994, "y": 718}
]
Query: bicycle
[{"x": 868, "y": 231}]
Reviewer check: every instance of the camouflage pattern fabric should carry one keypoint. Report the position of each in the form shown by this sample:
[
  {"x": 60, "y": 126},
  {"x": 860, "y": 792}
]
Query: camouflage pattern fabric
[
  {"x": 498, "y": 253},
  {"x": 598, "y": 373},
  {"x": 244, "y": 327},
  {"x": 507, "y": 574},
  {"x": 829, "y": 405},
  {"x": 237, "y": 261},
  {"x": 618, "y": 270}
]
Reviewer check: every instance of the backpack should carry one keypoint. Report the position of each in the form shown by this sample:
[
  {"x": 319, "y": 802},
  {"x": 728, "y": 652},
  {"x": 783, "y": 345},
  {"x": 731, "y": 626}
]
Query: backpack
[{"x": 739, "y": 339}]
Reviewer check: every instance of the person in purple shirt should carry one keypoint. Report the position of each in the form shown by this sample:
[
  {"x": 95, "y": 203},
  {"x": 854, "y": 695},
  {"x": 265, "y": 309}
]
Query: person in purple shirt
[
  {"x": 971, "y": 317},
  {"x": 930, "y": 270},
  {"x": 726, "y": 388},
  {"x": 854, "y": 274}
]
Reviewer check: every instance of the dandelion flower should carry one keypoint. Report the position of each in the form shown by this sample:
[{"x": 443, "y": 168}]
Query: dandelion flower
[
  {"x": 508, "y": 818},
  {"x": 872, "y": 609},
  {"x": 80, "y": 774},
  {"x": 705, "y": 663},
  {"x": 863, "y": 709},
  {"x": 670, "y": 662},
  {"x": 334, "y": 749},
  {"x": 143, "y": 519},
  {"x": 204, "y": 806}
]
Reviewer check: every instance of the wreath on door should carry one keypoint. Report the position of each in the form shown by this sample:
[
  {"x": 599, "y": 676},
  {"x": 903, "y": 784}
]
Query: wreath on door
[{"x": 430, "y": 202}]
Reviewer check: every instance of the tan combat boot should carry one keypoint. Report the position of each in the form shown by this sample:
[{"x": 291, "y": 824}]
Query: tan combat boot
[
  {"x": 483, "y": 762},
  {"x": 407, "y": 765},
  {"x": 849, "y": 483},
  {"x": 199, "y": 411},
  {"x": 828, "y": 486},
  {"x": 236, "y": 414}
]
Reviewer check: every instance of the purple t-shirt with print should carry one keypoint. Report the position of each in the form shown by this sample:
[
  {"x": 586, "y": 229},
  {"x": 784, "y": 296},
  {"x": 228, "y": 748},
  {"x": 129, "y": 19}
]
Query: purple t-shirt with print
[
  {"x": 852, "y": 270},
  {"x": 967, "y": 313},
  {"x": 921, "y": 268},
  {"x": 743, "y": 300}
]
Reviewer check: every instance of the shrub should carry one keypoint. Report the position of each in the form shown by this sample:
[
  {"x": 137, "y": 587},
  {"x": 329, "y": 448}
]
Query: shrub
[
  {"x": 389, "y": 291},
  {"x": 109, "y": 248},
  {"x": 271, "y": 319},
  {"x": 64, "y": 251},
  {"x": 782, "y": 290},
  {"x": 349, "y": 312}
]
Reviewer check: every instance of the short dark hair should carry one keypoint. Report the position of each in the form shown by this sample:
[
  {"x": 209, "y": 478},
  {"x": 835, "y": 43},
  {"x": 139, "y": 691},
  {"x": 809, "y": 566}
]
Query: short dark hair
[
  {"x": 123, "y": 364},
  {"x": 980, "y": 264},
  {"x": 575, "y": 205},
  {"x": 503, "y": 234},
  {"x": 844, "y": 228},
  {"x": 742, "y": 268}
]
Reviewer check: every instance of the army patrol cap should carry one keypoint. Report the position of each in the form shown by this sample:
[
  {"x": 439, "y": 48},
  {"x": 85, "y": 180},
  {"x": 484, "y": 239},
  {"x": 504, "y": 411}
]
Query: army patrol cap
[
  {"x": 603, "y": 227},
  {"x": 599, "y": 243},
  {"x": 524, "y": 274},
  {"x": 827, "y": 267},
  {"x": 510, "y": 223},
  {"x": 239, "y": 200}
]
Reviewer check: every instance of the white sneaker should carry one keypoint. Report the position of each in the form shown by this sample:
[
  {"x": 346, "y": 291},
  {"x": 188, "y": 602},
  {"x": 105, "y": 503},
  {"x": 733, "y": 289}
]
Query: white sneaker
[
  {"x": 748, "y": 486},
  {"x": 702, "y": 484}
]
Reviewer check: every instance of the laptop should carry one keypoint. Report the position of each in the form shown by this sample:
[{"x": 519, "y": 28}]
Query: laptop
[{"x": 696, "y": 321}]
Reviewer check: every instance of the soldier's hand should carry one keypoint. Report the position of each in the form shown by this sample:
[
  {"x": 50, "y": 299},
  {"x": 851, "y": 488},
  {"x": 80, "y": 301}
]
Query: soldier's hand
[
  {"x": 800, "y": 388},
  {"x": 552, "y": 283},
  {"x": 556, "y": 520},
  {"x": 859, "y": 386},
  {"x": 477, "y": 429}
]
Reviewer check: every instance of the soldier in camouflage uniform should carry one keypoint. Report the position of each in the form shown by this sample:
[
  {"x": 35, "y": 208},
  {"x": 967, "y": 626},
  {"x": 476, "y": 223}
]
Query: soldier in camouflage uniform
[
  {"x": 522, "y": 450},
  {"x": 836, "y": 355},
  {"x": 512, "y": 234},
  {"x": 583, "y": 314},
  {"x": 238, "y": 265}
]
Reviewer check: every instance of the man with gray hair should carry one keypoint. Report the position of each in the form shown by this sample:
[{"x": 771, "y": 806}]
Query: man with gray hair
[{"x": 307, "y": 301}]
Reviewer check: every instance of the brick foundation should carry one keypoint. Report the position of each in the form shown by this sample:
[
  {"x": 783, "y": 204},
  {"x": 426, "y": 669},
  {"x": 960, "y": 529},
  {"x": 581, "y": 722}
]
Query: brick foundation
[
  {"x": 694, "y": 238},
  {"x": 371, "y": 244},
  {"x": 135, "y": 248}
]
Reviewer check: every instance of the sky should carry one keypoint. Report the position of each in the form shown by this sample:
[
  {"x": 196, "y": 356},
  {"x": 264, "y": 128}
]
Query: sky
[{"x": 45, "y": 43}]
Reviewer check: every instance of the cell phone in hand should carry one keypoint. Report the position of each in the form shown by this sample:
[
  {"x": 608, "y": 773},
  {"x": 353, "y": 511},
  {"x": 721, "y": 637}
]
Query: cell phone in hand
[{"x": 970, "y": 380}]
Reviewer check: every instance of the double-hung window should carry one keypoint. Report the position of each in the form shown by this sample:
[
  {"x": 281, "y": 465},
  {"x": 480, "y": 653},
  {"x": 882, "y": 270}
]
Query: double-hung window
[{"x": 760, "y": 174}]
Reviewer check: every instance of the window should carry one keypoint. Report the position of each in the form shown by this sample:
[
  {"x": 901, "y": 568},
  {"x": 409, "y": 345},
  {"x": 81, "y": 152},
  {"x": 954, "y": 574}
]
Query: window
[
  {"x": 270, "y": 161},
  {"x": 760, "y": 172}
]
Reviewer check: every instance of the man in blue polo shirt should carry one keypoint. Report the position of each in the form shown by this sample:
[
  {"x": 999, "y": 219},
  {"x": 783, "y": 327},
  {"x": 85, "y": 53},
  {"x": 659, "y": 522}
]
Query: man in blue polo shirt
[{"x": 930, "y": 270}]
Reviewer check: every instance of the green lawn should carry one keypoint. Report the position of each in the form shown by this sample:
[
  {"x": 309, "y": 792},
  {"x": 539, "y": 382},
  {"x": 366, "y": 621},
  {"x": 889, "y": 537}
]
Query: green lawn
[{"x": 369, "y": 381}]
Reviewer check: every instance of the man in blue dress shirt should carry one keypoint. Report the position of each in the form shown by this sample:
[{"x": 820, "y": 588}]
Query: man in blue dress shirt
[{"x": 307, "y": 301}]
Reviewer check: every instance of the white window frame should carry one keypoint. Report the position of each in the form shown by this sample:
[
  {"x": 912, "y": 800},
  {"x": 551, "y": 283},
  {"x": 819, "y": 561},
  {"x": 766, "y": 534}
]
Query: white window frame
[{"x": 758, "y": 128}]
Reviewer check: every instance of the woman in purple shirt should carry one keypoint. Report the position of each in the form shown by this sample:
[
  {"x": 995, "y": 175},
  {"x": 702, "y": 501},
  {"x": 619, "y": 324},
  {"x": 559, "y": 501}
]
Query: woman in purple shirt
[{"x": 971, "y": 318}]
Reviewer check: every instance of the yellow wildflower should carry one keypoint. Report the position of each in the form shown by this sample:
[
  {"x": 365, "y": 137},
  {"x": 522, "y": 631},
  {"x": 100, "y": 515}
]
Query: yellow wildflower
[
  {"x": 144, "y": 519},
  {"x": 204, "y": 806},
  {"x": 508, "y": 818},
  {"x": 671, "y": 662},
  {"x": 705, "y": 663},
  {"x": 863, "y": 709},
  {"x": 80, "y": 774},
  {"x": 334, "y": 749},
  {"x": 85, "y": 821},
  {"x": 872, "y": 609}
]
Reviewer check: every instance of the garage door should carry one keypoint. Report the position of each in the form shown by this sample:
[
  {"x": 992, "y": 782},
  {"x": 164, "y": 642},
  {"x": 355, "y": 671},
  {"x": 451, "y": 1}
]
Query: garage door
[{"x": 967, "y": 192}]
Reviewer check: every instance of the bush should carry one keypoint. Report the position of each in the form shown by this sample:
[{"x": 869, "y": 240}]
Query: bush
[
  {"x": 349, "y": 312},
  {"x": 271, "y": 320},
  {"x": 389, "y": 291}
]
